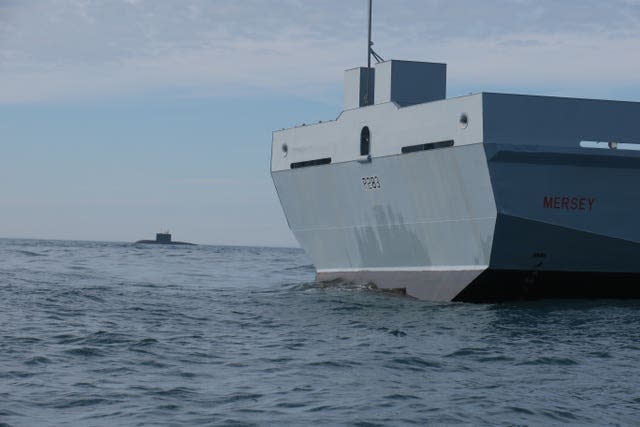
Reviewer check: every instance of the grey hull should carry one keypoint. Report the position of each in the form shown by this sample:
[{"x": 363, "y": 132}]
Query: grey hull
[
  {"x": 514, "y": 205},
  {"x": 428, "y": 229},
  {"x": 436, "y": 285},
  {"x": 435, "y": 231},
  {"x": 493, "y": 285},
  {"x": 154, "y": 242}
]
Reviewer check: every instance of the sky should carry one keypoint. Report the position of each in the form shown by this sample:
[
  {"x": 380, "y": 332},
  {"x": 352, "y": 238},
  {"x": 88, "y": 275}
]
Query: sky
[{"x": 122, "y": 118}]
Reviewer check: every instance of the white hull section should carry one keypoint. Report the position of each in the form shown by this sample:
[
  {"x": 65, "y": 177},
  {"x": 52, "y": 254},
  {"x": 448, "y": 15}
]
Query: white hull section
[
  {"x": 433, "y": 284},
  {"x": 425, "y": 225}
]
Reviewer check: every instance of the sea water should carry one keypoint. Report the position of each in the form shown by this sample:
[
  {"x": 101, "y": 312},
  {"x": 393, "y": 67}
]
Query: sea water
[{"x": 120, "y": 334}]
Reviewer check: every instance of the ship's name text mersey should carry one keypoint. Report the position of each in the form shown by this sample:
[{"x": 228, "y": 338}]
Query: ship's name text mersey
[{"x": 569, "y": 203}]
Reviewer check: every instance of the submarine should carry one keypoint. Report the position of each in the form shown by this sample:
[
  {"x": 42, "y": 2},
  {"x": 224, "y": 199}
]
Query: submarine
[{"x": 163, "y": 239}]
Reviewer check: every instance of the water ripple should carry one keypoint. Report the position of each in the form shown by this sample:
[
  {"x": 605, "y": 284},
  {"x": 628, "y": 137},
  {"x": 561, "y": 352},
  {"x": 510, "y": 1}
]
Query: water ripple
[{"x": 118, "y": 334}]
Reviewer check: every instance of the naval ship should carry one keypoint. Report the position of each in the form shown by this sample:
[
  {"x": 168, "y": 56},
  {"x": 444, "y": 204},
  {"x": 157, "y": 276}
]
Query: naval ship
[{"x": 485, "y": 197}]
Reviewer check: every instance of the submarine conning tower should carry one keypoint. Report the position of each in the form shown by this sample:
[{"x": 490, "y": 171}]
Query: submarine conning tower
[
  {"x": 403, "y": 82},
  {"x": 163, "y": 237}
]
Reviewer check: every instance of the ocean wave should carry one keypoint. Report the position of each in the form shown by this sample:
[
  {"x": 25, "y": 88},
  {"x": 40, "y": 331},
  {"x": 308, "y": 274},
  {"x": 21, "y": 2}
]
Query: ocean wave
[{"x": 230, "y": 335}]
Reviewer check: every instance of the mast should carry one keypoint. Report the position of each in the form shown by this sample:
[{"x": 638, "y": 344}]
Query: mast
[
  {"x": 370, "y": 53},
  {"x": 369, "y": 42}
]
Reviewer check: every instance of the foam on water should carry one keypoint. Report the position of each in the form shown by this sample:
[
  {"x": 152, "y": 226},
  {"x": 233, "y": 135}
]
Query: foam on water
[{"x": 119, "y": 334}]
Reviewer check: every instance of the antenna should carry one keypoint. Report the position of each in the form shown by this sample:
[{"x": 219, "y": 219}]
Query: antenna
[
  {"x": 370, "y": 53},
  {"x": 369, "y": 42}
]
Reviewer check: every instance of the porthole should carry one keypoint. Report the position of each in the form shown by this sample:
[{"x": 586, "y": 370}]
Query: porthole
[
  {"x": 464, "y": 120},
  {"x": 365, "y": 141},
  {"x": 613, "y": 145},
  {"x": 285, "y": 150}
]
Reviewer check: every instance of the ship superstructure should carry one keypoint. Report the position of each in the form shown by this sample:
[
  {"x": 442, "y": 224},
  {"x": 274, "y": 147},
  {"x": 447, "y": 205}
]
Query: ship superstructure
[{"x": 475, "y": 198}]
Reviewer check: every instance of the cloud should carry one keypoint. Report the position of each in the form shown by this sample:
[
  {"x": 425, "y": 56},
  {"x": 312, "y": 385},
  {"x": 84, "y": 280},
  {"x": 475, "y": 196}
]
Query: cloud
[{"x": 53, "y": 50}]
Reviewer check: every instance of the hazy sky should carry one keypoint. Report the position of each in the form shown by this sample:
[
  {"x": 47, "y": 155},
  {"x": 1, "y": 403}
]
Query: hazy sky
[{"x": 121, "y": 118}]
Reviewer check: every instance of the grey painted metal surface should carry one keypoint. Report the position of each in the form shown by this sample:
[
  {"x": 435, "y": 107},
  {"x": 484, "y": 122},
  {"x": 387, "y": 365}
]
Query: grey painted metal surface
[
  {"x": 355, "y": 87},
  {"x": 576, "y": 208},
  {"x": 410, "y": 83},
  {"x": 518, "y": 191},
  {"x": 433, "y": 211},
  {"x": 391, "y": 129}
]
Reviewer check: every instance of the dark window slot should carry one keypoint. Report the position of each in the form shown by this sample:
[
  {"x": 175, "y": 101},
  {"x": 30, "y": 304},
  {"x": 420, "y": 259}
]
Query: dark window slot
[
  {"x": 365, "y": 141},
  {"x": 429, "y": 146},
  {"x": 316, "y": 162}
]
